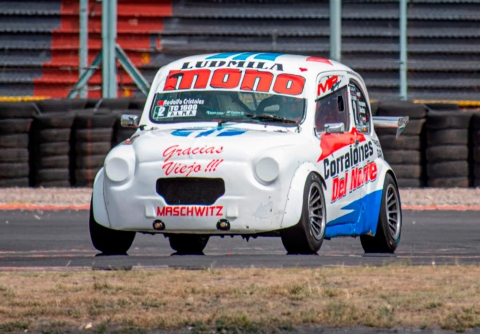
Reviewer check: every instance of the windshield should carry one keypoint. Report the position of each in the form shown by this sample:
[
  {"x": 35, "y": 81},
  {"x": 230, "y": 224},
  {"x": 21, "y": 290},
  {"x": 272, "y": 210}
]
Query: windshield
[{"x": 226, "y": 106}]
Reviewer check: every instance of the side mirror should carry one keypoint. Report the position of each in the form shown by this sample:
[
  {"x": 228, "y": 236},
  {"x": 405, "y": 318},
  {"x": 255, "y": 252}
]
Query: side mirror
[
  {"x": 129, "y": 121},
  {"x": 334, "y": 128}
]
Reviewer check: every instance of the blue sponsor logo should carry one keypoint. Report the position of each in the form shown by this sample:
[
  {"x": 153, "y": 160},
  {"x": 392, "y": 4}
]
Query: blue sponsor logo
[
  {"x": 207, "y": 133},
  {"x": 246, "y": 56}
]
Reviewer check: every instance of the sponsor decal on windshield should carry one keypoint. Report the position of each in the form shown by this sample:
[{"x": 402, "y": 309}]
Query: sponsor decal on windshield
[{"x": 176, "y": 108}]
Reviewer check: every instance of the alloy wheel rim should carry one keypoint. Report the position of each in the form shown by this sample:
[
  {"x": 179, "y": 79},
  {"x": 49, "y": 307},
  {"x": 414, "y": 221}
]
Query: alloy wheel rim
[
  {"x": 316, "y": 211},
  {"x": 394, "y": 217}
]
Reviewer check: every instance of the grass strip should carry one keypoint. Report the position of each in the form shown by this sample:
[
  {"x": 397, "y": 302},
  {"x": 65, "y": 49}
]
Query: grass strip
[{"x": 242, "y": 300}]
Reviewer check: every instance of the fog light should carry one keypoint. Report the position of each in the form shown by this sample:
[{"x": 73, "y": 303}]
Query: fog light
[
  {"x": 223, "y": 225},
  {"x": 158, "y": 225}
]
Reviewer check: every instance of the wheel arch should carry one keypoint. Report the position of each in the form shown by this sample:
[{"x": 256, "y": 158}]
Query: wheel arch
[
  {"x": 99, "y": 208},
  {"x": 294, "y": 203}
]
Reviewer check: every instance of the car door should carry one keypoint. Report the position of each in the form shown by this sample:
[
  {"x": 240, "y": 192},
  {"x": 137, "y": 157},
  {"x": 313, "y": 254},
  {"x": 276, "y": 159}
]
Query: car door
[
  {"x": 333, "y": 107},
  {"x": 364, "y": 170}
]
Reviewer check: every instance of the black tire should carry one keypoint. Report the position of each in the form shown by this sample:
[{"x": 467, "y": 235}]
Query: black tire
[
  {"x": 448, "y": 120},
  {"x": 54, "y": 120},
  {"x": 400, "y": 143},
  {"x": 14, "y": 155},
  {"x": 447, "y": 153},
  {"x": 374, "y": 108},
  {"x": 306, "y": 237},
  {"x": 449, "y": 182},
  {"x": 111, "y": 104},
  {"x": 185, "y": 244},
  {"x": 86, "y": 174},
  {"x": 90, "y": 161},
  {"x": 389, "y": 227},
  {"x": 60, "y": 105},
  {"x": 86, "y": 148},
  {"x": 476, "y": 137},
  {"x": 51, "y": 149},
  {"x": 52, "y": 174},
  {"x": 475, "y": 121},
  {"x": 447, "y": 169},
  {"x": 401, "y": 108},
  {"x": 14, "y": 170},
  {"x": 16, "y": 182},
  {"x": 409, "y": 183},
  {"x": 54, "y": 135},
  {"x": 476, "y": 170},
  {"x": 14, "y": 126},
  {"x": 89, "y": 119},
  {"x": 54, "y": 184},
  {"x": 442, "y": 106},
  {"x": 137, "y": 103},
  {"x": 407, "y": 171},
  {"x": 94, "y": 135},
  {"x": 397, "y": 157},
  {"x": 475, "y": 151},
  {"x": 447, "y": 137},
  {"x": 109, "y": 241},
  {"x": 59, "y": 161},
  {"x": 14, "y": 141},
  {"x": 17, "y": 110}
]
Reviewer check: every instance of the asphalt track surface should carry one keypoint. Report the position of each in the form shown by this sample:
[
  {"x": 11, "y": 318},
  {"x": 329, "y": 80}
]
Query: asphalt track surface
[{"x": 33, "y": 240}]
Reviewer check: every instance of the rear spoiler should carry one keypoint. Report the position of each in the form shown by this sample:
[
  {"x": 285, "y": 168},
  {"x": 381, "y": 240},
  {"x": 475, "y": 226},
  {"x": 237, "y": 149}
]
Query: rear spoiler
[{"x": 390, "y": 122}]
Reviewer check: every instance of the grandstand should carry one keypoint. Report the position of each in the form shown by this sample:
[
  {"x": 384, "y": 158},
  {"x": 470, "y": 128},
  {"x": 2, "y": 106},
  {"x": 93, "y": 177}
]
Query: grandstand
[{"x": 39, "y": 41}]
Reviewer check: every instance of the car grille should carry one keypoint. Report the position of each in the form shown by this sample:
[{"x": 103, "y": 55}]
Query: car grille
[{"x": 191, "y": 190}]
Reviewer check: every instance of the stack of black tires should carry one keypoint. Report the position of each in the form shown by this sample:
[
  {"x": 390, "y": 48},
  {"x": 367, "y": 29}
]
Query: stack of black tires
[
  {"x": 447, "y": 153},
  {"x": 93, "y": 130},
  {"x": 50, "y": 142},
  {"x": 15, "y": 122},
  {"x": 475, "y": 140},
  {"x": 404, "y": 153}
]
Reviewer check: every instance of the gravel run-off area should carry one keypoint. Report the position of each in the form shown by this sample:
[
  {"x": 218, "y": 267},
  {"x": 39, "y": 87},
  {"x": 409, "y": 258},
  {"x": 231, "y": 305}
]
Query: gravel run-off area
[{"x": 81, "y": 196}]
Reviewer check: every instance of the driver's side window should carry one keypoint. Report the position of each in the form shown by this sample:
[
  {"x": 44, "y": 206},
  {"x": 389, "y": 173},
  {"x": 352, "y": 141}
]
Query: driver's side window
[{"x": 332, "y": 108}]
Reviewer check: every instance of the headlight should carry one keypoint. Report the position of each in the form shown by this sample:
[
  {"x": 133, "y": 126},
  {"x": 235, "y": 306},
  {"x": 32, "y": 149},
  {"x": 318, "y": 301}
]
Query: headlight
[
  {"x": 117, "y": 169},
  {"x": 267, "y": 169},
  {"x": 120, "y": 163}
]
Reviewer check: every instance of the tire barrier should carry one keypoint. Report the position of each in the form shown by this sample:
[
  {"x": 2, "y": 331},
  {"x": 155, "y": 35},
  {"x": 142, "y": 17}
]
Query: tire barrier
[
  {"x": 62, "y": 143},
  {"x": 447, "y": 152},
  {"x": 92, "y": 140},
  {"x": 475, "y": 145},
  {"x": 50, "y": 142},
  {"x": 15, "y": 124},
  {"x": 405, "y": 153}
]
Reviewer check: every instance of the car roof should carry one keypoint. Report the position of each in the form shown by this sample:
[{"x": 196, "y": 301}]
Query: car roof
[{"x": 289, "y": 62}]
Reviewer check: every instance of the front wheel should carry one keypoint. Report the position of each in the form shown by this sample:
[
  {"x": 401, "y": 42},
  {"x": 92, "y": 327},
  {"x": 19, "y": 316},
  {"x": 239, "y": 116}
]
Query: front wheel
[
  {"x": 188, "y": 243},
  {"x": 389, "y": 226},
  {"x": 108, "y": 241},
  {"x": 307, "y": 236}
]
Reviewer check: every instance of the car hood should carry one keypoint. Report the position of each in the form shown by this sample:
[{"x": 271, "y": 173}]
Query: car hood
[{"x": 230, "y": 144}]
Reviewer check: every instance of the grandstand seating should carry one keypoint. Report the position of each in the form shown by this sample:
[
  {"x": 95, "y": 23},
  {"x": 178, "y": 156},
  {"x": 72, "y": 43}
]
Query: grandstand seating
[{"x": 39, "y": 40}]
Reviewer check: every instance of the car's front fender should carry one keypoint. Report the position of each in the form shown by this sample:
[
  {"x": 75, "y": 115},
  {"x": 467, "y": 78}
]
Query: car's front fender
[
  {"x": 294, "y": 205},
  {"x": 98, "y": 200}
]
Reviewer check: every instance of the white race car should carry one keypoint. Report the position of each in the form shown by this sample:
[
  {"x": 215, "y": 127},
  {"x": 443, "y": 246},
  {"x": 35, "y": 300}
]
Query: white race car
[{"x": 250, "y": 144}]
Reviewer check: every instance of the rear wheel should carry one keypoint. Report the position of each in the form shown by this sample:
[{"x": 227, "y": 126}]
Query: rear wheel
[
  {"x": 389, "y": 226},
  {"x": 307, "y": 236},
  {"x": 108, "y": 241},
  {"x": 188, "y": 243}
]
